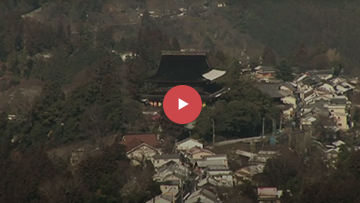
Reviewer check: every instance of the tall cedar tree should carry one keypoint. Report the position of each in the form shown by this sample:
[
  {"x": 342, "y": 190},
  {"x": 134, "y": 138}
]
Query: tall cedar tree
[
  {"x": 208, "y": 44},
  {"x": 302, "y": 56},
  {"x": 283, "y": 71},
  {"x": 268, "y": 56},
  {"x": 175, "y": 45}
]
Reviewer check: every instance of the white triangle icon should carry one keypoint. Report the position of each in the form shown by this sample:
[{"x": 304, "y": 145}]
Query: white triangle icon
[{"x": 182, "y": 104}]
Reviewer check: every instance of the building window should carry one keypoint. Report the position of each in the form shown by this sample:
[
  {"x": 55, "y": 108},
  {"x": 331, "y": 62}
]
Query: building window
[
  {"x": 158, "y": 161},
  {"x": 339, "y": 124},
  {"x": 332, "y": 110}
]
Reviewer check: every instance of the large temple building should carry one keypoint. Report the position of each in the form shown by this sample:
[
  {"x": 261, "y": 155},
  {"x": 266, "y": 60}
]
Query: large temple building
[{"x": 184, "y": 68}]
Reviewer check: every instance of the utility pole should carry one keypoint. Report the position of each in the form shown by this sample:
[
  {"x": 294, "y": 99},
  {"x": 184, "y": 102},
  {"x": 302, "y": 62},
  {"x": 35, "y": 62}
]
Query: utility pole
[
  {"x": 175, "y": 147},
  {"x": 253, "y": 147},
  {"x": 290, "y": 138},
  {"x": 281, "y": 120},
  {"x": 263, "y": 132},
  {"x": 213, "y": 128},
  {"x": 263, "y": 127},
  {"x": 273, "y": 127},
  {"x": 182, "y": 191}
]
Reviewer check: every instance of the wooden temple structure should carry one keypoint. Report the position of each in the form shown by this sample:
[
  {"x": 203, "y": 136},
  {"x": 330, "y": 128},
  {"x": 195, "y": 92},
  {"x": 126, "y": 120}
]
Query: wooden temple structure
[{"x": 184, "y": 68}]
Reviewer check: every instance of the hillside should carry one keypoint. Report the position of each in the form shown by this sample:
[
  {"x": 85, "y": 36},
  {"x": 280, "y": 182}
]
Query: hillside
[
  {"x": 285, "y": 25},
  {"x": 71, "y": 82}
]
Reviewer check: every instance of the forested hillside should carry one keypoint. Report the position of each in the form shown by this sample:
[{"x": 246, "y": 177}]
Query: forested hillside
[
  {"x": 62, "y": 75},
  {"x": 286, "y": 25}
]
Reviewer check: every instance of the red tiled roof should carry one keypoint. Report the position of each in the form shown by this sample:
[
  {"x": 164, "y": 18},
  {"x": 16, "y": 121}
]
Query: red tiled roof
[
  {"x": 133, "y": 144},
  {"x": 133, "y": 141}
]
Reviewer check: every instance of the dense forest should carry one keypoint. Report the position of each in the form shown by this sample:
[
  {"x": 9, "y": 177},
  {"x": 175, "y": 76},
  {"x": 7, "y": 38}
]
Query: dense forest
[
  {"x": 287, "y": 25},
  {"x": 89, "y": 93}
]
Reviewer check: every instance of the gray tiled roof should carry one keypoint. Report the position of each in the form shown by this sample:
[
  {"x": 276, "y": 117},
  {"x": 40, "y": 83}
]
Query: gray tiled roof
[
  {"x": 267, "y": 68},
  {"x": 320, "y": 72},
  {"x": 311, "y": 80},
  {"x": 272, "y": 89},
  {"x": 167, "y": 156},
  {"x": 338, "y": 101},
  {"x": 289, "y": 85}
]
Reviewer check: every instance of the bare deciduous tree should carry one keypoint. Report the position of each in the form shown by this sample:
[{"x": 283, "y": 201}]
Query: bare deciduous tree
[{"x": 62, "y": 188}]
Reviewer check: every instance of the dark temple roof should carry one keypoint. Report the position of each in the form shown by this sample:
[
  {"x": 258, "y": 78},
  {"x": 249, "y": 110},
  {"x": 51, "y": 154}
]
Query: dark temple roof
[{"x": 181, "y": 67}]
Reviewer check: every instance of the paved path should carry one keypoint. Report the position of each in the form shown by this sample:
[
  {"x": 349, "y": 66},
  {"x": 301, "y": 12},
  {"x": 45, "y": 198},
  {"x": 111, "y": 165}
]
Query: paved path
[{"x": 227, "y": 142}]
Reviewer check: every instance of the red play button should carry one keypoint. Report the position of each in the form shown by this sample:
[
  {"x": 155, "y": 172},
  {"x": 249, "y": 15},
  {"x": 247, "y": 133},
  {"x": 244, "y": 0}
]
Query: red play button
[{"x": 182, "y": 104}]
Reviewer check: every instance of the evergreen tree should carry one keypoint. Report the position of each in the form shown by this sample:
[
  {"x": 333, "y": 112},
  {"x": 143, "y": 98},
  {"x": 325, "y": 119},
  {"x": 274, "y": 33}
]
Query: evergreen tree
[
  {"x": 301, "y": 56},
  {"x": 146, "y": 20},
  {"x": 208, "y": 44},
  {"x": 221, "y": 56},
  {"x": 283, "y": 71},
  {"x": 268, "y": 56},
  {"x": 175, "y": 45}
]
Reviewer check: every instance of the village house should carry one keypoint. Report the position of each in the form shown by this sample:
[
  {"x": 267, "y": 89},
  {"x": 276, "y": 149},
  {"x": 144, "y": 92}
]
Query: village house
[
  {"x": 343, "y": 88},
  {"x": 201, "y": 164},
  {"x": 287, "y": 111},
  {"x": 322, "y": 95},
  {"x": 326, "y": 87},
  {"x": 289, "y": 100},
  {"x": 338, "y": 109},
  {"x": 307, "y": 121},
  {"x": 141, "y": 153},
  {"x": 171, "y": 171},
  {"x": 207, "y": 183},
  {"x": 308, "y": 95},
  {"x": 322, "y": 74},
  {"x": 160, "y": 160},
  {"x": 205, "y": 196},
  {"x": 248, "y": 172},
  {"x": 274, "y": 91},
  {"x": 141, "y": 147},
  {"x": 262, "y": 156},
  {"x": 187, "y": 144},
  {"x": 332, "y": 151},
  {"x": 338, "y": 104},
  {"x": 317, "y": 107},
  {"x": 309, "y": 81},
  {"x": 341, "y": 120},
  {"x": 170, "y": 187},
  {"x": 219, "y": 157},
  {"x": 268, "y": 195},
  {"x": 223, "y": 175},
  {"x": 176, "y": 177},
  {"x": 196, "y": 153},
  {"x": 336, "y": 81},
  {"x": 163, "y": 198},
  {"x": 288, "y": 86}
]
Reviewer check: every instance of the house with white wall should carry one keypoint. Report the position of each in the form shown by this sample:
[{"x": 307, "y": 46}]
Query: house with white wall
[
  {"x": 224, "y": 176},
  {"x": 160, "y": 160},
  {"x": 197, "y": 153},
  {"x": 171, "y": 187},
  {"x": 187, "y": 144},
  {"x": 142, "y": 153},
  {"x": 205, "y": 196}
]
